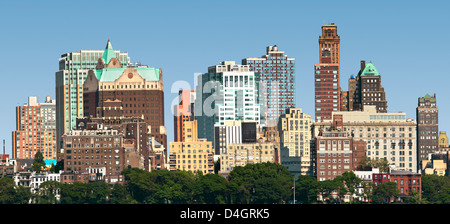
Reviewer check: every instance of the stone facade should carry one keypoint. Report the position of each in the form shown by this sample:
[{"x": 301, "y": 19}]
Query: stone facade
[{"x": 389, "y": 136}]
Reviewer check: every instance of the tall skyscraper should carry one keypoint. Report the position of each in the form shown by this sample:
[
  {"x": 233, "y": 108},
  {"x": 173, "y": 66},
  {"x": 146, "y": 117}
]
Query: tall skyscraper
[
  {"x": 327, "y": 87},
  {"x": 35, "y": 129},
  {"x": 369, "y": 90},
  {"x": 227, "y": 92},
  {"x": 295, "y": 137},
  {"x": 183, "y": 111},
  {"x": 138, "y": 88},
  {"x": 427, "y": 127},
  {"x": 278, "y": 77},
  {"x": 73, "y": 70},
  {"x": 330, "y": 41}
]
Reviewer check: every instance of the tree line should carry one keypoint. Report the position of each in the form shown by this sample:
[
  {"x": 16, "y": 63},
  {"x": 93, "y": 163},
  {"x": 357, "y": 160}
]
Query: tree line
[{"x": 264, "y": 183}]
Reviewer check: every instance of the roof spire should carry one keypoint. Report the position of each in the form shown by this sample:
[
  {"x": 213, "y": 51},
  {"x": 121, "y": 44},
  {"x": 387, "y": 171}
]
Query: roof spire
[{"x": 108, "y": 53}]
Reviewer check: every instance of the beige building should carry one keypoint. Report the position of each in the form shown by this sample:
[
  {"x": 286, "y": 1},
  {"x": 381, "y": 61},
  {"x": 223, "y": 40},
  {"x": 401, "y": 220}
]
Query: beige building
[
  {"x": 295, "y": 137},
  {"x": 443, "y": 141},
  {"x": 192, "y": 154},
  {"x": 437, "y": 167},
  {"x": 246, "y": 153},
  {"x": 388, "y": 135}
]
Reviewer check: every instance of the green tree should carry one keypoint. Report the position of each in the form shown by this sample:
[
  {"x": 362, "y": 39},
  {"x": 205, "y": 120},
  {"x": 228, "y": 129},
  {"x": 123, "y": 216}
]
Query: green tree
[
  {"x": 7, "y": 190},
  {"x": 351, "y": 182},
  {"x": 173, "y": 186},
  {"x": 306, "y": 189},
  {"x": 434, "y": 188},
  {"x": 120, "y": 195},
  {"x": 341, "y": 189},
  {"x": 261, "y": 183},
  {"x": 38, "y": 163},
  {"x": 47, "y": 192},
  {"x": 141, "y": 185},
  {"x": 326, "y": 189},
  {"x": 384, "y": 192},
  {"x": 10, "y": 193},
  {"x": 210, "y": 189},
  {"x": 74, "y": 193},
  {"x": 414, "y": 199},
  {"x": 22, "y": 195},
  {"x": 382, "y": 164},
  {"x": 97, "y": 193}
]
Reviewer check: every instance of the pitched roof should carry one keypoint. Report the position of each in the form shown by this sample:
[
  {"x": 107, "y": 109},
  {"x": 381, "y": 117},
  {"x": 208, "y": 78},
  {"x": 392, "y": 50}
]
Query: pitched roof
[
  {"x": 108, "y": 53},
  {"x": 111, "y": 74},
  {"x": 427, "y": 97},
  {"x": 370, "y": 70}
]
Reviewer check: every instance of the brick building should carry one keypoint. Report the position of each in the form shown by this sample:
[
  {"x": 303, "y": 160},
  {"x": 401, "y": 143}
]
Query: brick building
[
  {"x": 330, "y": 41},
  {"x": 327, "y": 87},
  {"x": 408, "y": 182},
  {"x": 93, "y": 148},
  {"x": 336, "y": 151},
  {"x": 138, "y": 88}
]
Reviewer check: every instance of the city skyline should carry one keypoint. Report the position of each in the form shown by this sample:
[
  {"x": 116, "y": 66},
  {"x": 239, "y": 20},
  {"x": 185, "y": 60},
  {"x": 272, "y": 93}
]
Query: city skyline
[{"x": 181, "y": 39}]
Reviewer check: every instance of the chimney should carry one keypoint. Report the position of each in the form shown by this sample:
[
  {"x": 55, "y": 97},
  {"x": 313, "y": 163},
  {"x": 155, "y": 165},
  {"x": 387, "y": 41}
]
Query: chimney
[{"x": 363, "y": 65}]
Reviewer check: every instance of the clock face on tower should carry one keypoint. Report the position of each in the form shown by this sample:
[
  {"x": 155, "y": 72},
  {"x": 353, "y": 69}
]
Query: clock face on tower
[{"x": 130, "y": 75}]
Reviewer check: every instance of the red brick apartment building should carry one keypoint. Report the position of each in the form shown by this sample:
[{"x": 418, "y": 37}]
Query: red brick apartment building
[
  {"x": 408, "y": 183},
  {"x": 336, "y": 152}
]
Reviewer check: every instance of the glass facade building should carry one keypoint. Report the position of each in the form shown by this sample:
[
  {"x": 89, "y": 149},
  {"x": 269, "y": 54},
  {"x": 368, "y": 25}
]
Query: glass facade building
[
  {"x": 227, "y": 92},
  {"x": 277, "y": 73}
]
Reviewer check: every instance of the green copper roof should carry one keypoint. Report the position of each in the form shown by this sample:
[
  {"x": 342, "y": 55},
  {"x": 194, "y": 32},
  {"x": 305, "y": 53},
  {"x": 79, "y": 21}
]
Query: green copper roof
[
  {"x": 108, "y": 74},
  {"x": 427, "y": 97},
  {"x": 149, "y": 74},
  {"x": 111, "y": 74},
  {"x": 370, "y": 70},
  {"x": 108, "y": 53}
]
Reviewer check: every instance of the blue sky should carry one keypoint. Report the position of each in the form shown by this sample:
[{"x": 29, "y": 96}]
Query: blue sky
[{"x": 408, "y": 42}]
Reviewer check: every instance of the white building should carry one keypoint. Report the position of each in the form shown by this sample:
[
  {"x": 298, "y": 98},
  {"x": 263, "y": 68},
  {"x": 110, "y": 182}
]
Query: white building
[
  {"x": 389, "y": 136},
  {"x": 366, "y": 177},
  {"x": 33, "y": 180},
  {"x": 227, "y": 92}
]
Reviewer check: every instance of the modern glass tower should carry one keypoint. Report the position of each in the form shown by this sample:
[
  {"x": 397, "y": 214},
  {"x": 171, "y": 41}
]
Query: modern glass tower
[
  {"x": 73, "y": 70},
  {"x": 227, "y": 92},
  {"x": 278, "y": 80}
]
